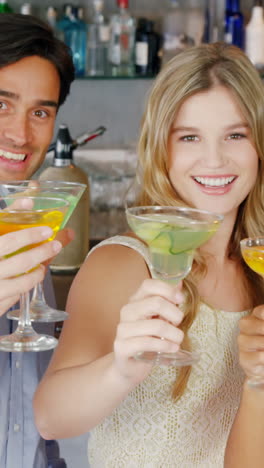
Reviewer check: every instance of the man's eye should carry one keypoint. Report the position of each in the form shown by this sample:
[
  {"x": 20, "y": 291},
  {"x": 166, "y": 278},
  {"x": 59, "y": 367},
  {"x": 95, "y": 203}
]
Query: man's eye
[
  {"x": 189, "y": 138},
  {"x": 3, "y": 105},
  {"x": 237, "y": 136},
  {"x": 40, "y": 113}
]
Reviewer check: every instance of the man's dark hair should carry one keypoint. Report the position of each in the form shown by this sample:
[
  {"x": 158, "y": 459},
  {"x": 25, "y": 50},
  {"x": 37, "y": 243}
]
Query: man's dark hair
[{"x": 24, "y": 36}]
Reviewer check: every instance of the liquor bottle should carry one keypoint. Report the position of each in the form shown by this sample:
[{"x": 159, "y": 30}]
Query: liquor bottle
[
  {"x": 5, "y": 7},
  {"x": 98, "y": 41},
  {"x": 51, "y": 17},
  {"x": 75, "y": 36},
  {"x": 211, "y": 30},
  {"x": 64, "y": 21},
  {"x": 26, "y": 9},
  {"x": 148, "y": 44},
  {"x": 63, "y": 168},
  {"x": 194, "y": 22},
  {"x": 254, "y": 35},
  {"x": 99, "y": 19},
  {"x": 122, "y": 41},
  {"x": 173, "y": 27},
  {"x": 234, "y": 24}
]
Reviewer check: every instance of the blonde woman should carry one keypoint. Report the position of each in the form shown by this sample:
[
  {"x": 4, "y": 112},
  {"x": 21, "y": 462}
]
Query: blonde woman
[{"x": 201, "y": 146}]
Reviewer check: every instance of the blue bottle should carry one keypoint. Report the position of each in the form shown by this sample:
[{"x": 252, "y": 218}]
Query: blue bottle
[
  {"x": 64, "y": 21},
  {"x": 75, "y": 36},
  {"x": 234, "y": 24}
]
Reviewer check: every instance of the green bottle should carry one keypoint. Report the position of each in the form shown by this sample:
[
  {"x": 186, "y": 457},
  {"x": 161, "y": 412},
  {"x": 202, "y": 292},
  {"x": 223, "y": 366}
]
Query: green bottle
[{"x": 4, "y": 7}]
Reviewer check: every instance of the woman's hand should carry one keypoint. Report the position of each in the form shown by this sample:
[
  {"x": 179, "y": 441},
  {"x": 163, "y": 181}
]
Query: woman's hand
[
  {"x": 11, "y": 283},
  {"x": 251, "y": 343},
  {"x": 148, "y": 323}
]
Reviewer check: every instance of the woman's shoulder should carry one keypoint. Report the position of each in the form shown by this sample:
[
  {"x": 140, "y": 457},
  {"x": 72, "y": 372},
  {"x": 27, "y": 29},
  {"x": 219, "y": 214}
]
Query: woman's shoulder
[
  {"x": 117, "y": 260},
  {"x": 127, "y": 239},
  {"x": 121, "y": 248},
  {"x": 109, "y": 276}
]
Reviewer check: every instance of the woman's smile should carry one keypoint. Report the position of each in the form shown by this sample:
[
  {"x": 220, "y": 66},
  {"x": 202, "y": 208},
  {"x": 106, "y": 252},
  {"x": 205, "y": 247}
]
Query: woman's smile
[{"x": 215, "y": 185}]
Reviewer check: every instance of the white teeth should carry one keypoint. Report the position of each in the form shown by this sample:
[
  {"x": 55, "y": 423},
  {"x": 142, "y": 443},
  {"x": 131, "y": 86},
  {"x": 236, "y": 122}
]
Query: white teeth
[
  {"x": 215, "y": 181},
  {"x": 15, "y": 156}
]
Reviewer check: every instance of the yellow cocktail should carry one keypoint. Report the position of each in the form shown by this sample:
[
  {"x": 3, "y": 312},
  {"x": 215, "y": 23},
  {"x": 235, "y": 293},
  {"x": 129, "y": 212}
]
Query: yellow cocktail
[
  {"x": 252, "y": 249},
  {"x": 254, "y": 257},
  {"x": 16, "y": 221},
  {"x": 15, "y": 215}
]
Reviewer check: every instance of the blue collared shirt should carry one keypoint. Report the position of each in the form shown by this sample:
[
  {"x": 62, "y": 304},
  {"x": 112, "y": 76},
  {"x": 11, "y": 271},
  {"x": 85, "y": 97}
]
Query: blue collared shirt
[{"x": 20, "y": 443}]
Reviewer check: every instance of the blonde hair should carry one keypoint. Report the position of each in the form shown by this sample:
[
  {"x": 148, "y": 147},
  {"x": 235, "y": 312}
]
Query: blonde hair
[{"x": 192, "y": 71}]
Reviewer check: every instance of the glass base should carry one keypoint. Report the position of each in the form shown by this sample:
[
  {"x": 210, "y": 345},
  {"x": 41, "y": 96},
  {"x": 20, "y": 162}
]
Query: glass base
[
  {"x": 179, "y": 359},
  {"x": 41, "y": 313},
  {"x": 17, "y": 342}
]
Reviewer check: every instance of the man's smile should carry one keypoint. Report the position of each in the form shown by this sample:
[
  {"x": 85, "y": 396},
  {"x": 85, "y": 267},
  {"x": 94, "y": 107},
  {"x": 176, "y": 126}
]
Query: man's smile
[{"x": 12, "y": 156}]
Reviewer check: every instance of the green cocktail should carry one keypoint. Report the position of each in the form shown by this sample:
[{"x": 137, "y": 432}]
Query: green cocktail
[
  {"x": 172, "y": 234},
  {"x": 71, "y": 192},
  {"x": 172, "y": 239}
]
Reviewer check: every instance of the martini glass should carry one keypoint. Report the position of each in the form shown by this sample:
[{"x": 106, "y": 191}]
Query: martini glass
[
  {"x": 40, "y": 311},
  {"x": 252, "y": 249},
  {"x": 172, "y": 235},
  {"x": 40, "y": 212}
]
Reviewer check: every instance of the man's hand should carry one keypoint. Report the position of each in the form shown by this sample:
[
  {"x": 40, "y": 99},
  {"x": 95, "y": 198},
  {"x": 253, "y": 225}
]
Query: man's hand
[
  {"x": 251, "y": 343},
  {"x": 65, "y": 236},
  {"x": 22, "y": 271}
]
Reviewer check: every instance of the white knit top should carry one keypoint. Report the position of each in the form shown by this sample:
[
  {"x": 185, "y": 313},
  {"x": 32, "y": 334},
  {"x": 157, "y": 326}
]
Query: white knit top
[{"x": 150, "y": 430}]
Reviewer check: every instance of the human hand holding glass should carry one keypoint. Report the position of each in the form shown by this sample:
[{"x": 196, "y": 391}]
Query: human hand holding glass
[
  {"x": 16, "y": 215},
  {"x": 172, "y": 235},
  {"x": 252, "y": 249},
  {"x": 40, "y": 311}
]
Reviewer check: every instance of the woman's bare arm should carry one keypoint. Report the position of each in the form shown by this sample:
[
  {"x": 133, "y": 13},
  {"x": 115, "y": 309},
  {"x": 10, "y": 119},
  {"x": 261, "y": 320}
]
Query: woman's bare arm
[{"x": 92, "y": 369}]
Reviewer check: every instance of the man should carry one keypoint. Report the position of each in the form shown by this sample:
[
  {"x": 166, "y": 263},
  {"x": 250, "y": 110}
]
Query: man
[{"x": 36, "y": 72}]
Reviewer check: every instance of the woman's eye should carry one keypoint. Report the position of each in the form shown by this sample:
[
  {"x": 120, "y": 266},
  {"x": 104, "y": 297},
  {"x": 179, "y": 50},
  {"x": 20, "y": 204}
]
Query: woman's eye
[
  {"x": 189, "y": 138},
  {"x": 237, "y": 136}
]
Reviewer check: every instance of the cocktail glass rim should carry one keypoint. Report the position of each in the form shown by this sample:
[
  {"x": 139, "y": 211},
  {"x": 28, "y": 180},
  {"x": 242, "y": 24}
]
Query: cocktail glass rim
[
  {"x": 54, "y": 183},
  {"x": 156, "y": 208},
  {"x": 245, "y": 243}
]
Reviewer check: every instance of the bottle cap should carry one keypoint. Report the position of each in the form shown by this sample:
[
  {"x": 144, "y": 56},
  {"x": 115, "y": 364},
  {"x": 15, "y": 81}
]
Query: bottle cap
[
  {"x": 98, "y": 5},
  {"x": 67, "y": 9},
  {"x": 52, "y": 12},
  {"x": 80, "y": 13},
  {"x": 122, "y": 3},
  {"x": 26, "y": 9},
  {"x": 63, "y": 144}
]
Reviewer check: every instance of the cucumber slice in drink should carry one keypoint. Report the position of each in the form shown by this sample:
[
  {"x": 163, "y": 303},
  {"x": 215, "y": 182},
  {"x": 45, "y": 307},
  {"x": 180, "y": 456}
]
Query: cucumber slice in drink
[
  {"x": 148, "y": 231},
  {"x": 162, "y": 242}
]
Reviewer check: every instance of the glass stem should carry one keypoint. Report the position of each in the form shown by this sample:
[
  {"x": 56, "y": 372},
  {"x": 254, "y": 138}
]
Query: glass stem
[
  {"x": 38, "y": 294},
  {"x": 24, "y": 323}
]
